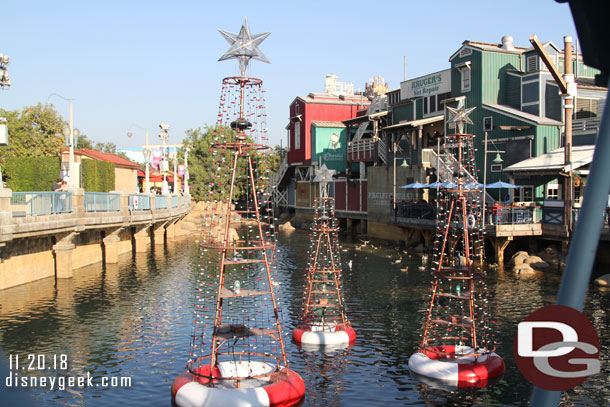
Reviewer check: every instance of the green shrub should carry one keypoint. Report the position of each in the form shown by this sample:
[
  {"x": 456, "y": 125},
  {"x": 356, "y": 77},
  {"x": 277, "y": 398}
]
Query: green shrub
[
  {"x": 98, "y": 176},
  {"x": 31, "y": 173}
]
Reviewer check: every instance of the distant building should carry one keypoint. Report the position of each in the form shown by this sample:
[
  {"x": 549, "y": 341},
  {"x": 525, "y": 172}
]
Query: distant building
[
  {"x": 335, "y": 105},
  {"x": 125, "y": 171}
]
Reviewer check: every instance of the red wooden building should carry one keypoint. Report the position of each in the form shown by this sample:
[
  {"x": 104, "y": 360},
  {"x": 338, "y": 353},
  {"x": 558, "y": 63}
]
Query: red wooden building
[{"x": 317, "y": 107}]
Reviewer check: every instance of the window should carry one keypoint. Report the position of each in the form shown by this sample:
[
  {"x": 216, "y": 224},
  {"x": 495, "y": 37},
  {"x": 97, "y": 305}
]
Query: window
[
  {"x": 432, "y": 103},
  {"x": 296, "y": 109},
  {"x": 465, "y": 79},
  {"x": 553, "y": 61},
  {"x": 578, "y": 190},
  {"x": 297, "y": 135},
  {"x": 586, "y": 108},
  {"x": 527, "y": 193},
  {"x": 488, "y": 123},
  {"x": 532, "y": 63},
  {"x": 439, "y": 99},
  {"x": 288, "y": 137},
  {"x": 425, "y": 105},
  {"x": 552, "y": 191},
  {"x": 496, "y": 168}
]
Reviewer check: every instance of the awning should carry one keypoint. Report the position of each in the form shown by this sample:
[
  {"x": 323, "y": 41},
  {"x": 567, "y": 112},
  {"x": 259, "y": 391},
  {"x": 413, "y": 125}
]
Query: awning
[
  {"x": 554, "y": 161},
  {"x": 416, "y": 123}
]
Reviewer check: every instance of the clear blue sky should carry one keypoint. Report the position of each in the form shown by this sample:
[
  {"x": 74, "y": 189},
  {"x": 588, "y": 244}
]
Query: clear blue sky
[{"x": 147, "y": 62}]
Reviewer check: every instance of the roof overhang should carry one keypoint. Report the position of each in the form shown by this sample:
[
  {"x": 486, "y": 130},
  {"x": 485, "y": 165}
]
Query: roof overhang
[
  {"x": 554, "y": 162},
  {"x": 416, "y": 123},
  {"x": 522, "y": 116}
]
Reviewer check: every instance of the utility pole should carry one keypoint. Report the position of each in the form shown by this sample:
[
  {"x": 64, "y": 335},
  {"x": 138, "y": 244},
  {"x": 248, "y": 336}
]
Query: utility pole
[
  {"x": 569, "y": 111},
  {"x": 568, "y": 89}
]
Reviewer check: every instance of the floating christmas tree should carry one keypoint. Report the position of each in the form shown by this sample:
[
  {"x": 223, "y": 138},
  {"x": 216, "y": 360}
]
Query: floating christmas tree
[
  {"x": 323, "y": 320},
  {"x": 243, "y": 362},
  {"x": 457, "y": 344}
]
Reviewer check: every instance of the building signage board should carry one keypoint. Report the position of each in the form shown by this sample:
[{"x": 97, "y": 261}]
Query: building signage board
[
  {"x": 433, "y": 84},
  {"x": 329, "y": 147}
]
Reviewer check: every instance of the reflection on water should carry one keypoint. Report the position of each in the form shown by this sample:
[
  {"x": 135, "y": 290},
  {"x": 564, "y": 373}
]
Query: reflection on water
[{"x": 134, "y": 319}]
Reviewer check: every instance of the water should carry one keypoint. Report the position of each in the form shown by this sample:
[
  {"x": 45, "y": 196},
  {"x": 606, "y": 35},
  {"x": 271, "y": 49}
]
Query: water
[{"x": 133, "y": 320}]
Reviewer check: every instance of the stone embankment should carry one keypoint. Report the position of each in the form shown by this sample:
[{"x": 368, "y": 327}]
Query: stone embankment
[{"x": 207, "y": 221}]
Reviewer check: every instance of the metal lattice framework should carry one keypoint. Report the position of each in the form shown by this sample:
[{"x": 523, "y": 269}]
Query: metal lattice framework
[
  {"x": 237, "y": 278},
  {"x": 323, "y": 303},
  {"x": 458, "y": 308}
]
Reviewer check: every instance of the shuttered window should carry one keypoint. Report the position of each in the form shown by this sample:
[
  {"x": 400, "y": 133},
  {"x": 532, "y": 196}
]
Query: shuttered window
[
  {"x": 586, "y": 108},
  {"x": 532, "y": 63}
]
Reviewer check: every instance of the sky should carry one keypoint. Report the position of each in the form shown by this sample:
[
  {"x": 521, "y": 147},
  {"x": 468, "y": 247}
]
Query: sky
[{"x": 130, "y": 65}]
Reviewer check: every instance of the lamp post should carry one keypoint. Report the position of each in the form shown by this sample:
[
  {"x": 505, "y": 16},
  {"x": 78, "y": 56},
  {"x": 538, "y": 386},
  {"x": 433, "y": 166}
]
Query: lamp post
[
  {"x": 173, "y": 156},
  {"x": 497, "y": 160},
  {"x": 147, "y": 153},
  {"x": 5, "y": 80},
  {"x": 404, "y": 165},
  {"x": 164, "y": 136},
  {"x": 186, "y": 171},
  {"x": 69, "y": 132}
]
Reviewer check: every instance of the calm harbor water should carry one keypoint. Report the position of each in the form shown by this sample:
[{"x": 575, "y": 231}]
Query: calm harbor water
[{"x": 133, "y": 320}]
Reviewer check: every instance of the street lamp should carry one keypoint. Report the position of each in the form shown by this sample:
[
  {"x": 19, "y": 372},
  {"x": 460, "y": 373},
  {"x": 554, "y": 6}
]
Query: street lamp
[
  {"x": 497, "y": 160},
  {"x": 5, "y": 80},
  {"x": 173, "y": 156},
  {"x": 186, "y": 171},
  {"x": 147, "y": 153},
  {"x": 164, "y": 167},
  {"x": 70, "y": 132}
]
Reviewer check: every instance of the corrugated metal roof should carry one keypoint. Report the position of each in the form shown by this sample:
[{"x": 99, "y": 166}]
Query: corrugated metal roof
[
  {"x": 326, "y": 123},
  {"x": 554, "y": 161},
  {"x": 518, "y": 114}
]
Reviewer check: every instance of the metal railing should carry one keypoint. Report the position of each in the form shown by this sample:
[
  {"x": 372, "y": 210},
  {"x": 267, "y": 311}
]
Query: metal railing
[
  {"x": 160, "y": 201},
  {"x": 174, "y": 199},
  {"x": 139, "y": 202},
  {"x": 509, "y": 215},
  {"x": 364, "y": 145},
  {"x": 102, "y": 202},
  {"x": 586, "y": 124},
  {"x": 41, "y": 203}
]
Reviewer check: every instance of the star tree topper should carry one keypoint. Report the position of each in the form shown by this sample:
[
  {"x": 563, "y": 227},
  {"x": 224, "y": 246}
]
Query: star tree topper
[
  {"x": 323, "y": 176},
  {"x": 244, "y": 46},
  {"x": 460, "y": 116}
]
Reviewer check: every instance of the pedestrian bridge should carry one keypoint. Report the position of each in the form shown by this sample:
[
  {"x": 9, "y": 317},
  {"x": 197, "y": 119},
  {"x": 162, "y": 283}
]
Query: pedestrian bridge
[{"x": 45, "y": 234}]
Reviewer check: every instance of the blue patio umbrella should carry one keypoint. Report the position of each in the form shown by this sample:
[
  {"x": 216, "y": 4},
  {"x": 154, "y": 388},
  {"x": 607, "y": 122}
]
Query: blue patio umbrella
[
  {"x": 435, "y": 185},
  {"x": 501, "y": 184},
  {"x": 473, "y": 185},
  {"x": 414, "y": 185}
]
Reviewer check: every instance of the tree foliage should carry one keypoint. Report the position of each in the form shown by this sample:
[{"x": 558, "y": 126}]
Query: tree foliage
[
  {"x": 31, "y": 173},
  {"x": 34, "y": 131},
  {"x": 98, "y": 176},
  {"x": 210, "y": 169}
]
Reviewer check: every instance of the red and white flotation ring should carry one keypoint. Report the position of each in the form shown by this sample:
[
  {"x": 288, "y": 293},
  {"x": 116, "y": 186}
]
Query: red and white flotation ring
[
  {"x": 281, "y": 389},
  {"x": 456, "y": 365},
  {"x": 313, "y": 334}
]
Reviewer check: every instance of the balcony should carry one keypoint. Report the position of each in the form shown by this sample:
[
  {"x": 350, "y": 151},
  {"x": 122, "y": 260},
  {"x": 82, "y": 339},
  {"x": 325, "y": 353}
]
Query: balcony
[{"x": 361, "y": 150}]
